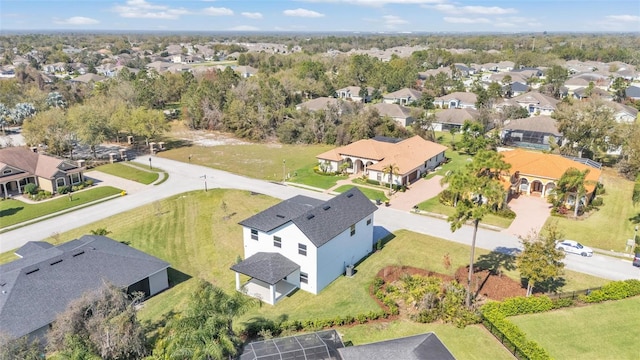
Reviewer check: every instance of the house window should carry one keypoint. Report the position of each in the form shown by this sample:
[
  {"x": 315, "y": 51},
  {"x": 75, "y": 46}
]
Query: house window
[
  {"x": 369, "y": 221},
  {"x": 302, "y": 249},
  {"x": 254, "y": 234},
  {"x": 304, "y": 278},
  {"x": 353, "y": 229},
  {"x": 75, "y": 178},
  {"x": 60, "y": 182},
  {"x": 379, "y": 176},
  {"x": 7, "y": 171},
  {"x": 277, "y": 241}
]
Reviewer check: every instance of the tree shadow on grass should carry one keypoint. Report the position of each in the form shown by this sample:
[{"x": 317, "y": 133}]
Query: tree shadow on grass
[
  {"x": 635, "y": 219},
  {"x": 258, "y": 324},
  {"x": 553, "y": 285},
  {"x": 176, "y": 277},
  {"x": 497, "y": 260},
  {"x": 11, "y": 211}
]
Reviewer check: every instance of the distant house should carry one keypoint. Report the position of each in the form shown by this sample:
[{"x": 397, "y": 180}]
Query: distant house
[
  {"x": 533, "y": 132},
  {"x": 245, "y": 71},
  {"x": 413, "y": 158},
  {"x": 400, "y": 114},
  {"x": 304, "y": 243},
  {"x": 460, "y": 100},
  {"x": 20, "y": 166},
  {"x": 88, "y": 78},
  {"x": 536, "y": 174},
  {"x": 536, "y": 103},
  {"x": 404, "y": 96},
  {"x": 353, "y": 93},
  {"x": 46, "y": 278},
  {"x": 454, "y": 118},
  {"x": 328, "y": 345},
  {"x": 516, "y": 88},
  {"x": 582, "y": 94},
  {"x": 633, "y": 92},
  {"x": 505, "y": 66},
  {"x": 321, "y": 103}
]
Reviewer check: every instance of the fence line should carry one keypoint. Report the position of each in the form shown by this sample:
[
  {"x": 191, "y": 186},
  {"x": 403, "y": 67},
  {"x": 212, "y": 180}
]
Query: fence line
[
  {"x": 500, "y": 336},
  {"x": 573, "y": 295}
]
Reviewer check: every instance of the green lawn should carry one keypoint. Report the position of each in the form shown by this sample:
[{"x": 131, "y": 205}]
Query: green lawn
[
  {"x": 609, "y": 228},
  {"x": 260, "y": 161},
  {"x": 601, "y": 331},
  {"x": 307, "y": 176},
  {"x": 472, "y": 342},
  {"x": 134, "y": 173},
  {"x": 15, "y": 211},
  {"x": 433, "y": 205},
  {"x": 370, "y": 193}
]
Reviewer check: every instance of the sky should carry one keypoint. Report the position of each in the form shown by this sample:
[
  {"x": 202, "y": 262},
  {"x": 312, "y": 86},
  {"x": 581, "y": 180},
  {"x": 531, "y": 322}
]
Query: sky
[{"x": 389, "y": 16}]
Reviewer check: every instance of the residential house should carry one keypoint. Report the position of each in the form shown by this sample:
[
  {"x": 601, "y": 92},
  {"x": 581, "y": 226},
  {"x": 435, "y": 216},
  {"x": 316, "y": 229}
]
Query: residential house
[
  {"x": 633, "y": 92},
  {"x": 582, "y": 94},
  {"x": 424, "y": 75},
  {"x": 328, "y": 345},
  {"x": 304, "y": 243},
  {"x": 515, "y": 89},
  {"x": 536, "y": 174},
  {"x": 404, "y": 96},
  {"x": 622, "y": 113},
  {"x": 536, "y": 132},
  {"x": 20, "y": 166},
  {"x": 158, "y": 66},
  {"x": 459, "y": 100},
  {"x": 88, "y": 78},
  {"x": 353, "y": 93},
  {"x": 536, "y": 103},
  {"x": 321, "y": 103},
  {"x": 7, "y": 71},
  {"x": 505, "y": 66},
  {"x": 413, "y": 157},
  {"x": 37, "y": 287},
  {"x": 400, "y": 114},
  {"x": 245, "y": 71},
  {"x": 574, "y": 83},
  {"x": 454, "y": 118}
]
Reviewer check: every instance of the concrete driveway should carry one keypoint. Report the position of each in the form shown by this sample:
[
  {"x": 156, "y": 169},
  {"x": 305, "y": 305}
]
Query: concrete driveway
[{"x": 531, "y": 214}]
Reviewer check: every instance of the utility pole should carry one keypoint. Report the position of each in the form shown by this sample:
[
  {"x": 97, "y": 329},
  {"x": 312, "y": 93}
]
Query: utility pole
[{"x": 284, "y": 171}]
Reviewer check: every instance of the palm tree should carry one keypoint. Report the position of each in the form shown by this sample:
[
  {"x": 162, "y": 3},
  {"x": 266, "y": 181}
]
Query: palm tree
[
  {"x": 572, "y": 182},
  {"x": 478, "y": 191},
  {"x": 391, "y": 169}
]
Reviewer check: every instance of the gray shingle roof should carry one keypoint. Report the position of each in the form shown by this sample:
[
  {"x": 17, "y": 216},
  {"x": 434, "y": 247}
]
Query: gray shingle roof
[
  {"x": 267, "y": 267},
  {"x": 418, "y": 347},
  {"x": 34, "y": 289},
  {"x": 542, "y": 124},
  {"x": 32, "y": 247},
  {"x": 320, "y": 222}
]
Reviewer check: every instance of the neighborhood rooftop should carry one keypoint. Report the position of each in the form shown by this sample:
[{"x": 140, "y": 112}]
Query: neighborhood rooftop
[
  {"x": 319, "y": 221},
  {"x": 40, "y": 285}
]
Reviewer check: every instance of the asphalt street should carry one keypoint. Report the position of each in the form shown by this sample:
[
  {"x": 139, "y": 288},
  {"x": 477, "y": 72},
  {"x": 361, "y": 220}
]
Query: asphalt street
[{"x": 186, "y": 177}]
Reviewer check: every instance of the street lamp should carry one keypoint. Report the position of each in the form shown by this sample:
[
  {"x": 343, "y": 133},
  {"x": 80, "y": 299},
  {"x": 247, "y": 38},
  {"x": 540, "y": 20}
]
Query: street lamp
[
  {"x": 205, "y": 181},
  {"x": 150, "y": 167},
  {"x": 284, "y": 170}
]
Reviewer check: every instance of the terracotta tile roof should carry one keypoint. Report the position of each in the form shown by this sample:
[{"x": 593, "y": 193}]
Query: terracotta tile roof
[
  {"x": 548, "y": 166},
  {"x": 407, "y": 154}
]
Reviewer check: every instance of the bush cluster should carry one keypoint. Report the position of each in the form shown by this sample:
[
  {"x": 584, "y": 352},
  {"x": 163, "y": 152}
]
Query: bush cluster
[
  {"x": 615, "y": 290},
  {"x": 317, "y": 170},
  {"x": 41, "y": 195},
  {"x": 31, "y": 189},
  {"x": 597, "y": 202},
  {"x": 64, "y": 189}
]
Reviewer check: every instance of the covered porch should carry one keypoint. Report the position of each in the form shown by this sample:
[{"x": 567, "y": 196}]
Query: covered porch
[
  {"x": 272, "y": 276},
  {"x": 14, "y": 185}
]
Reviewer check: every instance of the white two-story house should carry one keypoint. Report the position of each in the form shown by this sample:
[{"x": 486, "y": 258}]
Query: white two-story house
[{"x": 304, "y": 243}]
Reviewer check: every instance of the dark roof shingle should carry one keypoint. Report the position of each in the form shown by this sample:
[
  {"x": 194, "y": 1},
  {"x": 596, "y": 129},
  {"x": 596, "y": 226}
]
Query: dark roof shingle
[{"x": 267, "y": 267}]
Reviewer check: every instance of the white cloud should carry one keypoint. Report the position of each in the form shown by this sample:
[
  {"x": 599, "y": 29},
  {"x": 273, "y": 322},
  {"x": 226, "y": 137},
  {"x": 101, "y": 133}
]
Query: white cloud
[
  {"x": 465, "y": 20},
  {"x": 379, "y": 2},
  {"x": 625, "y": 18},
  {"x": 252, "y": 15},
  {"x": 303, "y": 13},
  {"x": 478, "y": 10},
  {"x": 244, "y": 28},
  {"x": 392, "y": 20},
  {"x": 146, "y": 10},
  {"x": 214, "y": 11},
  {"x": 77, "y": 20}
]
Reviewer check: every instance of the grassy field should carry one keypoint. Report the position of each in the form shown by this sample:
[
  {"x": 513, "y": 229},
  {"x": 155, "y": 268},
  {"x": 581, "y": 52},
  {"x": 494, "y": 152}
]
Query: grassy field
[
  {"x": 370, "y": 193},
  {"x": 609, "y": 228},
  {"x": 260, "y": 161},
  {"x": 433, "y": 205},
  {"x": 307, "y": 176},
  {"x": 15, "y": 211},
  {"x": 128, "y": 172},
  {"x": 472, "y": 342},
  {"x": 602, "y": 331}
]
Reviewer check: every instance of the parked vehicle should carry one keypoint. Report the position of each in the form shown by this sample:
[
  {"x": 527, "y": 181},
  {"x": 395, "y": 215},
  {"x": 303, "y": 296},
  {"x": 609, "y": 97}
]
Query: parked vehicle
[
  {"x": 574, "y": 247},
  {"x": 636, "y": 260}
]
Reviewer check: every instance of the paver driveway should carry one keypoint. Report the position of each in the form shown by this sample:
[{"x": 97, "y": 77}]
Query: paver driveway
[
  {"x": 531, "y": 214},
  {"x": 418, "y": 192}
]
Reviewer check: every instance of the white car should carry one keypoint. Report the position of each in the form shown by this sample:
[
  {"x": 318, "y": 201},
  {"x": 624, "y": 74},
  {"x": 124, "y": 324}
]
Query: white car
[{"x": 571, "y": 246}]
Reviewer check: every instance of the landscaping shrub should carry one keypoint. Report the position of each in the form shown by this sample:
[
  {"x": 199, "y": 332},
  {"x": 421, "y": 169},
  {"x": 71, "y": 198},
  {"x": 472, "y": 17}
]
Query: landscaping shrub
[
  {"x": 31, "y": 189},
  {"x": 89, "y": 182},
  {"x": 600, "y": 189},
  {"x": 615, "y": 290},
  {"x": 372, "y": 182},
  {"x": 317, "y": 170},
  {"x": 446, "y": 198},
  {"x": 562, "y": 303},
  {"x": 506, "y": 213},
  {"x": 64, "y": 189},
  {"x": 597, "y": 202}
]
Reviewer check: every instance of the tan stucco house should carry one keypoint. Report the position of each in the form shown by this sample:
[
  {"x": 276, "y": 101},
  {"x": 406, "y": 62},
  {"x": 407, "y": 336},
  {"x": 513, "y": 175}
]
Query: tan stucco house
[{"x": 20, "y": 166}]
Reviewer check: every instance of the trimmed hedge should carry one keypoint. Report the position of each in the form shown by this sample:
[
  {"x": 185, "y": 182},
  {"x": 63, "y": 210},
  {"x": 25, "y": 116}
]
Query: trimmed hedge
[{"x": 615, "y": 290}]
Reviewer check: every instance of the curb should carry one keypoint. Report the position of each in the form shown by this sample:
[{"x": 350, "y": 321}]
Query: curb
[{"x": 444, "y": 217}]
